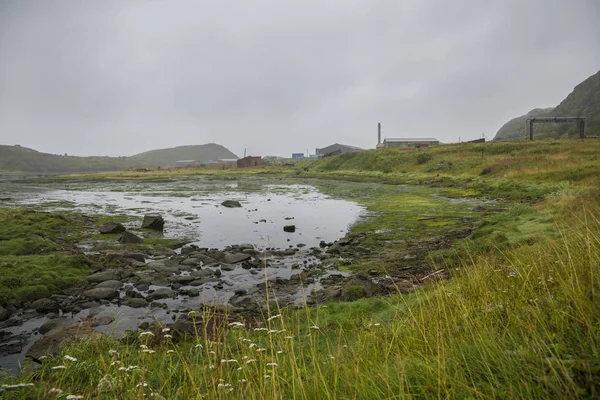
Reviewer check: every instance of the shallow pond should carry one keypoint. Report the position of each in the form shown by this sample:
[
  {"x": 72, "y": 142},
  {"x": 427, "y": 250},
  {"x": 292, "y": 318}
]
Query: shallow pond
[{"x": 193, "y": 210}]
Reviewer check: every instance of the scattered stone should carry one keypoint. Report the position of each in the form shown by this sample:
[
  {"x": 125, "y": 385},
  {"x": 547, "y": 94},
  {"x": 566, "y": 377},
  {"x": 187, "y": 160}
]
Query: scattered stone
[
  {"x": 113, "y": 284},
  {"x": 300, "y": 245},
  {"x": 44, "y": 306},
  {"x": 231, "y": 204},
  {"x": 110, "y": 275},
  {"x": 203, "y": 273},
  {"x": 161, "y": 293},
  {"x": 235, "y": 258},
  {"x": 4, "y": 314},
  {"x": 181, "y": 279},
  {"x": 130, "y": 238},
  {"x": 102, "y": 293},
  {"x": 112, "y": 227},
  {"x": 288, "y": 218},
  {"x": 135, "y": 302},
  {"x": 359, "y": 286},
  {"x": 125, "y": 255},
  {"x": 289, "y": 228},
  {"x": 240, "y": 292},
  {"x": 48, "y": 326},
  {"x": 227, "y": 267},
  {"x": 192, "y": 292},
  {"x": 153, "y": 221},
  {"x": 49, "y": 343}
]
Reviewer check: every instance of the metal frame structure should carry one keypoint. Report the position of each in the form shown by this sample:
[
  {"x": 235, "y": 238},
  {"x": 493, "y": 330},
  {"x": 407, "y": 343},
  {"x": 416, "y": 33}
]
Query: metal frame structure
[{"x": 579, "y": 120}]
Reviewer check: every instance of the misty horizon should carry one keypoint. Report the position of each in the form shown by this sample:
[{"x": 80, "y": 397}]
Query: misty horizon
[{"x": 118, "y": 78}]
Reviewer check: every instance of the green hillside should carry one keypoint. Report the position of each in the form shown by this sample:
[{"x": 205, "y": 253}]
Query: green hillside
[
  {"x": 584, "y": 101},
  {"x": 22, "y": 159}
]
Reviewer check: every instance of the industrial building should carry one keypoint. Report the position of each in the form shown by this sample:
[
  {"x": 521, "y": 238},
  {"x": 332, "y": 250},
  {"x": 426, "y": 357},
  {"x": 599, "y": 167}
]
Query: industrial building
[
  {"x": 336, "y": 149},
  {"x": 249, "y": 161},
  {"x": 409, "y": 142}
]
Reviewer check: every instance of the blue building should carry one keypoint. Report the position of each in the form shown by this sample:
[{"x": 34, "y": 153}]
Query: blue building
[{"x": 298, "y": 156}]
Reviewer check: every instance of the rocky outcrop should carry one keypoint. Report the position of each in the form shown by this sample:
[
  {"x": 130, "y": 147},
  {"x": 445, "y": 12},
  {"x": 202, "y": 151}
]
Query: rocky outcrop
[
  {"x": 112, "y": 227},
  {"x": 153, "y": 221}
]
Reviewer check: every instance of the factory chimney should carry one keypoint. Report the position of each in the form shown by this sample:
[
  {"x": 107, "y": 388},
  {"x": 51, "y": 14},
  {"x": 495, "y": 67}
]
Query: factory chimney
[{"x": 379, "y": 133}]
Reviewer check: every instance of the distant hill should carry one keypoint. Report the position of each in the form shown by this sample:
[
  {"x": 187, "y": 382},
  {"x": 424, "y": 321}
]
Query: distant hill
[
  {"x": 168, "y": 157},
  {"x": 22, "y": 159},
  {"x": 584, "y": 101}
]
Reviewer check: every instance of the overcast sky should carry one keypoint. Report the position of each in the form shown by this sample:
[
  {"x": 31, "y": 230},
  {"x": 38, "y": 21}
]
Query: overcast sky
[{"x": 118, "y": 77}]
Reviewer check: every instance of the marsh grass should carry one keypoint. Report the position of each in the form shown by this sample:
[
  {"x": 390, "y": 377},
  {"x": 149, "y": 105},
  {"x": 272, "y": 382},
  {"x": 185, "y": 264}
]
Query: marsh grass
[{"x": 519, "y": 322}]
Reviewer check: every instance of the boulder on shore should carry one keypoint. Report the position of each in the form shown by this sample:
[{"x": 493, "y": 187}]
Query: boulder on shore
[
  {"x": 289, "y": 228},
  {"x": 101, "y": 293},
  {"x": 231, "y": 204},
  {"x": 130, "y": 238},
  {"x": 112, "y": 227},
  {"x": 153, "y": 221}
]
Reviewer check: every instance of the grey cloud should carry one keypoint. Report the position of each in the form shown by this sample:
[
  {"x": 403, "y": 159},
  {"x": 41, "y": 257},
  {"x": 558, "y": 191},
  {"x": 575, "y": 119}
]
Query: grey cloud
[{"x": 120, "y": 77}]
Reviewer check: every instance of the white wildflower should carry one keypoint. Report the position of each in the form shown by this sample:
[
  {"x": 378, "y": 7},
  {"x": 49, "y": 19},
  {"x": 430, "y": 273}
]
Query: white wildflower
[
  {"x": 106, "y": 384},
  {"x": 243, "y": 380},
  {"x": 236, "y": 324},
  {"x": 260, "y": 329},
  {"x": 116, "y": 362},
  {"x": 272, "y": 364},
  {"x": 69, "y": 358},
  {"x": 252, "y": 345},
  {"x": 314, "y": 327},
  {"x": 224, "y": 385},
  {"x": 261, "y": 349},
  {"x": 148, "y": 351},
  {"x": 273, "y": 317},
  {"x": 289, "y": 337},
  {"x": 211, "y": 352},
  {"x": 147, "y": 333},
  {"x": 267, "y": 376},
  {"x": 143, "y": 346},
  {"x": 212, "y": 367},
  {"x": 16, "y": 386},
  {"x": 60, "y": 367},
  {"x": 112, "y": 352},
  {"x": 193, "y": 314},
  {"x": 280, "y": 352},
  {"x": 170, "y": 351},
  {"x": 74, "y": 397},
  {"x": 245, "y": 358},
  {"x": 239, "y": 368},
  {"x": 169, "y": 336},
  {"x": 144, "y": 384},
  {"x": 198, "y": 346},
  {"x": 55, "y": 391},
  {"x": 251, "y": 361},
  {"x": 165, "y": 330},
  {"x": 273, "y": 331}
]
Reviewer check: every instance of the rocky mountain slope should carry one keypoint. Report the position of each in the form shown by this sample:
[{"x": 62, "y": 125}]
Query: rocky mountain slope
[
  {"x": 584, "y": 101},
  {"x": 22, "y": 159}
]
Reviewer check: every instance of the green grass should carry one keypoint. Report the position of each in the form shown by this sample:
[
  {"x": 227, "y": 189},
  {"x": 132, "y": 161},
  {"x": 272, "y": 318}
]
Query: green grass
[
  {"x": 37, "y": 257},
  {"x": 522, "y": 323}
]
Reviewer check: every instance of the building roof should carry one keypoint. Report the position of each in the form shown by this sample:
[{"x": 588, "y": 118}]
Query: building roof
[
  {"x": 336, "y": 146},
  {"x": 410, "y": 140}
]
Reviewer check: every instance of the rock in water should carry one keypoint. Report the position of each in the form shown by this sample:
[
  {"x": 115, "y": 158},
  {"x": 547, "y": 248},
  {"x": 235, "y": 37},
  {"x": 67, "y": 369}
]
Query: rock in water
[
  {"x": 153, "y": 221},
  {"x": 231, "y": 204},
  {"x": 49, "y": 343},
  {"x": 289, "y": 228},
  {"x": 112, "y": 227},
  {"x": 128, "y": 237}
]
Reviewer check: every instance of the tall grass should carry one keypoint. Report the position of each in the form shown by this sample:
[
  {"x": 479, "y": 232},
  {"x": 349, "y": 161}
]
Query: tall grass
[{"x": 516, "y": 323}]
